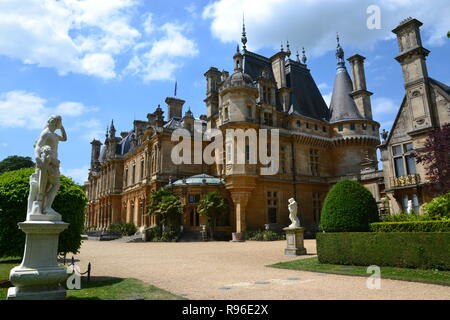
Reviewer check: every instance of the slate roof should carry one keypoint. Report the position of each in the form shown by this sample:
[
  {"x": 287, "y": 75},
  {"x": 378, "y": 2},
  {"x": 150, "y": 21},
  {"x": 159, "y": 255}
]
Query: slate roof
[
  {"x": 200, "y": 179},
  {"x": 306, "y": 99},
  {"x": 342, "y": 105}
]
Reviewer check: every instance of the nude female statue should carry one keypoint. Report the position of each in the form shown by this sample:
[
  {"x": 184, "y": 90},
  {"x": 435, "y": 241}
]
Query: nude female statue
[{"x": 44, "y": 182}]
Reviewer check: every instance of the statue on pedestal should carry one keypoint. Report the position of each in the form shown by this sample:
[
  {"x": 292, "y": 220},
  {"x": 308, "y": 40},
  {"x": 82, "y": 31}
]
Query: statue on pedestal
[
  {"x": 39, "y": 276},
  {"x": 44, "y": 182},
  {"x": 295, "y": 223}
]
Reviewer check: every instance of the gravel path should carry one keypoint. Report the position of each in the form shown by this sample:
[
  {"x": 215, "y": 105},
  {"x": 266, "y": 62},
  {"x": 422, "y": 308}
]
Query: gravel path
[{"x": 225, "y": 270}]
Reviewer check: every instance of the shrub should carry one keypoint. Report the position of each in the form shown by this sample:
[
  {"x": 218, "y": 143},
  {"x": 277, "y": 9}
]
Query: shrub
[
  {"x": 125, "y": 229},
  {"x": 398, "y": 217},
  {"x": 167, "y": 207},
  {"x": 348, "y": 207},
  {"x": 266, "y": 235},
  {"x": 411, "y": 226},
  {"x": 424, "y": 250},
  {"x": 438, "y": 207},
  {"x": 70, "y": 202}
]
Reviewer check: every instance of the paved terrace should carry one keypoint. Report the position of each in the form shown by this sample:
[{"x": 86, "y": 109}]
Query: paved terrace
[{"x": 224, "y": 270}]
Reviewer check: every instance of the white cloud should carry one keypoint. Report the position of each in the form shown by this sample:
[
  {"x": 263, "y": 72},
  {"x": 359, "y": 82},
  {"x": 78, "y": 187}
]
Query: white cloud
[
  {"x": 327, "y": 98},
  {"x": 21, "y": 109},
  {"x": 314, "y": 23},
  {"x": 79, "y": 175},
  {"x": 165, "y": 54},
  {"x": 90, "y": 129},
  {"x": 383, "y": 106},
  {"x": 148, "y": 25},
  {"x": 68, "y": 35},
  {"x": 323, "y": 86}
]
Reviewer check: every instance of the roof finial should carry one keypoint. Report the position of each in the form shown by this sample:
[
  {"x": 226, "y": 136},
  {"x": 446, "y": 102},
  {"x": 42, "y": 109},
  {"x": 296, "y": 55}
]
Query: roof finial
[
  {"x": 244, "y": 34},
  {"x": 175, "y": 91},
  {"x": 288, "y": 49},
  {"x": 237, "y": 49},
  {"x": 304, "y": 59},
  {"x": 282, "y": 49},
  {"x": 107, "y": 132},
  {"x": 298, "y": 57},
  {"x": 339, "y": 52}
]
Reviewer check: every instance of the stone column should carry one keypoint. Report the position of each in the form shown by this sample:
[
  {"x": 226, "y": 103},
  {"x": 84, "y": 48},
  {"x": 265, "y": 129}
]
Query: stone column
[{"x": 240, "y": 200}]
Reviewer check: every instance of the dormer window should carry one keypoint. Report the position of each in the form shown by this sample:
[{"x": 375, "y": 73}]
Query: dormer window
[
  {"x": 352, "y": 127},
  {"x": 341, "y": 127},
  {"x": 299, "y": 124}
]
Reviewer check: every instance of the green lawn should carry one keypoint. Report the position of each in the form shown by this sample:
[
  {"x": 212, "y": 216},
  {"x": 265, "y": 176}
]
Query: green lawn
[
  {"x": 97, "y": 288},
  {"x": 312, "y": 264}
]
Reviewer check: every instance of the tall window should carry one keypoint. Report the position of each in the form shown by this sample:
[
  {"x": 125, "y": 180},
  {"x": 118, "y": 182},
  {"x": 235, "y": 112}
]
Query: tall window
[
  {"x": 142, "y": 169},
  {"x": 126, "y": 177},
  {"x": 249, "y": 112},
  {"x": 317, "y": 207},
  {"x": 272, "y": 205},
  {"x": 341, "y": 127},
  {"x": 226, "y": 115},
  {"x": 268, "y": 118},
  {"x": 133, "y": 177},
  {"x": 282, "y": 160},
  {"x": 314, "y": 161},
  {"x": 415, "y": 202},
  {"x": 404, "y": 162}
]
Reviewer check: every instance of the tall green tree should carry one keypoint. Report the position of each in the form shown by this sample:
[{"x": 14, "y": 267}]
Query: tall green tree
[
  {"x": 12, "y": 163},
  {"x": 167, "y": 207},
  {"x": 213, "y": 206}
]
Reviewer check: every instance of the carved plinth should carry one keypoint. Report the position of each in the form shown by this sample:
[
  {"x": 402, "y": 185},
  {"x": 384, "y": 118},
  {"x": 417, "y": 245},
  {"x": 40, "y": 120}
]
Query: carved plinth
[
  {"x": 39, "y": 277},
  {"x": 294, "y": 238}
]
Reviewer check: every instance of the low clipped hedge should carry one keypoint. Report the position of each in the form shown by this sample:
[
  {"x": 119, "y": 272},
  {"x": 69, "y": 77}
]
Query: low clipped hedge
[
  {"x": 411, "y": 226},
  {"x": 423, "y": 250}
]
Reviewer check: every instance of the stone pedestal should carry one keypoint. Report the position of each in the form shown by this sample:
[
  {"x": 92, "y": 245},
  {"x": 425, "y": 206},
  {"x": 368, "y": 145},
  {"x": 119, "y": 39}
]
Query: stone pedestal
[
  {"x": 294, "y": 237},
  {"x": 39, "y": 277},
  {"x": 237, "y": 237}
]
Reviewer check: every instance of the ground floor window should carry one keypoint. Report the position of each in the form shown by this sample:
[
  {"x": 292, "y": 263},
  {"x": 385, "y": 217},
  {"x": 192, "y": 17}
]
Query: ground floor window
[
  {"x": 317, "y": 206},
  {"x": 415, "y": 202},
  {"x": 272, "y": 205},
  {"x": 194, "y": 218}
]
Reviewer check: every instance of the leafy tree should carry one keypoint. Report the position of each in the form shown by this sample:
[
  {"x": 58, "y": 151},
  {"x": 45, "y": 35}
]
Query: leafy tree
[
  {"x": 435, "y": 156},
  {"x": 348, "y": 207},
  {"x": 70, "y": 202},
  {"x": 12, "y": 163},
  {"x": 213, "y": 206},
  {"x": 439, "y": 207},
  {"x": 167, "y": 207}
]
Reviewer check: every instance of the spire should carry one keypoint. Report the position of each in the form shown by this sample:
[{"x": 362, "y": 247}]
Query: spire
[
  {"x": 304, "y": 59},
  {"x": 107, "y": 132},
  {"x": 175, "y": 91},
  {"x": 339, "y": 53},
  {"x": 244, "y": 34},
  {"x": 288, "y": 49},
  {"x": 342, "y": 105},
  {"x": 112, "y": 129}
]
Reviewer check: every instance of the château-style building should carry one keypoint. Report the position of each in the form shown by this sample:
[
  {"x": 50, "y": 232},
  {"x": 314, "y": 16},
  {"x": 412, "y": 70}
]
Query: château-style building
[
  {"x": 318, "y": 146},
  {"x": 425, "y": 106}
]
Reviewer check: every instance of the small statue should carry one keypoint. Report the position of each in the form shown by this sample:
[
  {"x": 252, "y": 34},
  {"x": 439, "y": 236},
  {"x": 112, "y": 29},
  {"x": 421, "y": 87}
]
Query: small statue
[
  {"x": 295, "y": 223},
  {"x": 410, "y": 209},
  {"x": 44, "y": 182}
]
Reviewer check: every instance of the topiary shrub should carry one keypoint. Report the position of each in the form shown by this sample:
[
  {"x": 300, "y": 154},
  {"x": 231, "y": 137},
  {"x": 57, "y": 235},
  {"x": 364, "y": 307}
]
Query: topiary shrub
[
  {"x": 70, "y": 202},
  {"x": 439, "y": 207},
  {"x": 348, "y": 207},
  {"x": 125, "y": 229}
]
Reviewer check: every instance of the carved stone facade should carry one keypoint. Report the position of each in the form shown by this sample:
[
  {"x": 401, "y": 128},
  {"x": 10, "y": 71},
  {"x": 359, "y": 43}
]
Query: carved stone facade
[
  {"x": 318, "y": 145},
  {"x": 425, "y": 106}
]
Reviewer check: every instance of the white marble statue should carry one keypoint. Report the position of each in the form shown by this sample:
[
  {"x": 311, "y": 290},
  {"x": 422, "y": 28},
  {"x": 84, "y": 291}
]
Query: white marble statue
[
  {"x": 44, "y": 182},
  {"x": 410, "y": 209},
  {"x": 295, "y": 223}
]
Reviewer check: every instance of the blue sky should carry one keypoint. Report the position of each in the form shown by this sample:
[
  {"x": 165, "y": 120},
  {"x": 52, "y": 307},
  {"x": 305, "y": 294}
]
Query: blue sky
[{"x": 94, "y": 60}]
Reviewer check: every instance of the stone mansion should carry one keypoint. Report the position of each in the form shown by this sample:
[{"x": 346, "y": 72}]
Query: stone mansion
[{"x": 318, "y": 145}]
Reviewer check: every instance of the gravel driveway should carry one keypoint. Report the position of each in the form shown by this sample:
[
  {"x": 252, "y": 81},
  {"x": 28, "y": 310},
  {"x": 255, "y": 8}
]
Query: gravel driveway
[{"x": 225, "y": 270}]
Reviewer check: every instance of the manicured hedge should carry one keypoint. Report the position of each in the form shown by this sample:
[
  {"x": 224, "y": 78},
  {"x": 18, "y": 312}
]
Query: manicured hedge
[
  {"x": 424, "y": 250},
  {"x": 70, "y": 202},
  {"x": 411, "y": 226},
  {"x": 349, "y": 206}
]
